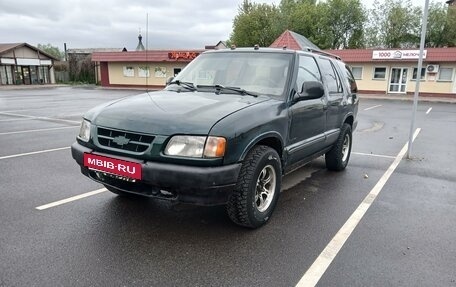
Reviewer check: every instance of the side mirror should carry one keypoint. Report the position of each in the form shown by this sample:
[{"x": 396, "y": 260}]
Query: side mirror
[
  {"x": 169, "y": 80},
  {"x": 310, "y": 90}
]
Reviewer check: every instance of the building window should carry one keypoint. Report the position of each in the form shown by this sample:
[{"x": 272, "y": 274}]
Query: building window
[
  {"x": 357, "y": 72},
  {"x": 143, "y": 72},
  {"x": 423, "y": 73},
  {"x": 160, "y": 72},
  {"x": 379, "y": 73},
  {"x": 446, "y": 74},
  {"x": 128, "y": 71}
]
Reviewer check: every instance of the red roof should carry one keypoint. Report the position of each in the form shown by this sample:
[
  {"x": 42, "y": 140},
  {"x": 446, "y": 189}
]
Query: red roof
[
  {"x": 365, "y": 55},
  {"x": 293, "y": 41},
  {"x": 144, "y": 56},
  {"x": 286, "y": 40}
]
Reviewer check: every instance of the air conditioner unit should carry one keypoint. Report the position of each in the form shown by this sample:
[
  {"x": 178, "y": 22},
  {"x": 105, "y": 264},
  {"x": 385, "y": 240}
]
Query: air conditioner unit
[{"x": 432, "y": 68}]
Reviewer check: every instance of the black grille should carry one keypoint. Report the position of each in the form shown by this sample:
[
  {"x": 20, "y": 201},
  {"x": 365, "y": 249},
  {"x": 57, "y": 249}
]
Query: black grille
[{"x": 124, "y": 140}]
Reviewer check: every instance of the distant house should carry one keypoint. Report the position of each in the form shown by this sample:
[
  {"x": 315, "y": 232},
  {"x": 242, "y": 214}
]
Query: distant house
[{"x": 24, "y": 64}]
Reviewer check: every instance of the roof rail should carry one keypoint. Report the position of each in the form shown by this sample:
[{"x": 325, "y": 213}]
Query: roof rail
[{"x": 312, "y": 50}]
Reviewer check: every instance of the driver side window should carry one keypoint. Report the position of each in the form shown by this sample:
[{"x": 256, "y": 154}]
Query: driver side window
[{"x": 308, "y": 71}]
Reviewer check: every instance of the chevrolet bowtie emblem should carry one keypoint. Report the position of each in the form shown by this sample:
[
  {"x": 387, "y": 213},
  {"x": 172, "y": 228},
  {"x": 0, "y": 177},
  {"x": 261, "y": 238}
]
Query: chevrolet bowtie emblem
[{"x": 121, "y": 140}]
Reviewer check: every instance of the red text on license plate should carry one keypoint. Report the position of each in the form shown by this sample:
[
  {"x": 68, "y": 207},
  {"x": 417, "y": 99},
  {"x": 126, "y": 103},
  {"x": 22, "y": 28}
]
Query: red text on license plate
[{"x": 113, "y": 166}]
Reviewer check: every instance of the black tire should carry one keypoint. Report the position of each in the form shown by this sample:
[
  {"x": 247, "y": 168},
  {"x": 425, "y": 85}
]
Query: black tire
[
  {"x": 246, "y": 207},
  {"x": 337, "y": 159}
]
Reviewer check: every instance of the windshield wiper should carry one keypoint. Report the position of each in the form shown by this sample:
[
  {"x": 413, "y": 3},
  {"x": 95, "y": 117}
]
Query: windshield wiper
[
  {"x": 234, "y": 89},
  {"x": 187, "y": 85}
]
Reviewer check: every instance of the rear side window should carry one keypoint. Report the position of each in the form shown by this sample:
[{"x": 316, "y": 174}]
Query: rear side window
[
  {"x": 331, "y": 77},
  {"x": 351, "y": 80}
]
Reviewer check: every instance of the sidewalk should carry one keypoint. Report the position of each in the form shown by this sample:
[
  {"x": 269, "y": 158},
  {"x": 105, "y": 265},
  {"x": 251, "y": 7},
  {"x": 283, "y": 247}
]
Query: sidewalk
[
  {"x": 408, "y": 98},
  {"x": 30, "y": 87}
]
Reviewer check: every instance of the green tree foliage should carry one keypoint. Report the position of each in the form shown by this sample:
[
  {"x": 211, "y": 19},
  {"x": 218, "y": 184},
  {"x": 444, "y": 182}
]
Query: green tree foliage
[
  {"x": 52, "y": 50},
  {"x": 450, "y": 31},
  {"x": 256, "y": 24},
  {"x": 341, "y": 24},
  {"x": 394, "y": 24},
  {"x": 345, "y": 19},
  {"x": 437, "y": 21}
]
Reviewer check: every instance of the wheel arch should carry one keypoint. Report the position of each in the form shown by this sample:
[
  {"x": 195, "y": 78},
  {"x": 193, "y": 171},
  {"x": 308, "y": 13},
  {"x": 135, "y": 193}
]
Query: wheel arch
[
  {"x": 349, "y": 119},
  {"x": 271, "y": 139}
]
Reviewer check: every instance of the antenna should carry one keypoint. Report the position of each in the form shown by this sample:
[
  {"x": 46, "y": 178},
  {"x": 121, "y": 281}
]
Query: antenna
[{"x": 147, "y": 48}]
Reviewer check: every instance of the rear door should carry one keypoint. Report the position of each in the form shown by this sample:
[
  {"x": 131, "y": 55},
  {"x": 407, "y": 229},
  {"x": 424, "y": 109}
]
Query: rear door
[{"x": 336, "y": 100}]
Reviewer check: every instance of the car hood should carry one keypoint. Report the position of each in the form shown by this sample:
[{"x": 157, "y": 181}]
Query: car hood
[{"x": 169, "y": 112}]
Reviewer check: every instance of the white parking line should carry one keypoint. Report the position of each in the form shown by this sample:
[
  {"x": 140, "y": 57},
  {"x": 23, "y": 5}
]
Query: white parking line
[
  {"x": 40, "y": 118},
  {"x": 33, "y": 152},
  {"x": 374, "y": 155},
  {"x": 15, "y": 120},
  {"x": 70, "y": 199},
  {"x": 321, "y": 264},
  {"x": 38, "y": 130},
  {"x": 428, "y": 111},
  {"x": 374, "y": 107}
]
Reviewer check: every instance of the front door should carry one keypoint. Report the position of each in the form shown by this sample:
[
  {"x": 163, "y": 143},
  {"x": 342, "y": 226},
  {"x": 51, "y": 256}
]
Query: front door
[
  {"x": 26, "y": 75},
  {"x": 398, "y": 80}
]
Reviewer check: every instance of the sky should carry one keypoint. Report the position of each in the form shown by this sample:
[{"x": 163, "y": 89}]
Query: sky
[{"x": 173, "y": 24}]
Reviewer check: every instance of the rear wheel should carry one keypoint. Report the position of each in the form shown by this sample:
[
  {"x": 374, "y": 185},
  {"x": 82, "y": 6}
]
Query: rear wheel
[
  {"x": 337, "y": 158},
  {"x": 252, "y": 202}
]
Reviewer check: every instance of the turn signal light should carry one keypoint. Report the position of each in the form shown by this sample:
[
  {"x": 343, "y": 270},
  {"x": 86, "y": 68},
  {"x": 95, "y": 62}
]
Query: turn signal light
[{"x": 215, "y": 147}]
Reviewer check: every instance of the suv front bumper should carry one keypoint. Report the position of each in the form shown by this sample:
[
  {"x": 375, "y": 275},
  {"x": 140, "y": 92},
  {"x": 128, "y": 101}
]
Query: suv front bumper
[{"x": 188, "y": 184}]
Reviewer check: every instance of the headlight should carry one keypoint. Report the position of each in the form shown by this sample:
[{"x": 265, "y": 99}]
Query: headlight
[
  {"x": 196, "y": 146},
  {"x": 84, "y": 132}
]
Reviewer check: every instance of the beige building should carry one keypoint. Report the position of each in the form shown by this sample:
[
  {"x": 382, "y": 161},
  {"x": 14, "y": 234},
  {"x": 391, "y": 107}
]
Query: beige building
[
  {"x": 23, "y": 64},
  {"x": 141, "y": 68},
  {"x": 395, "y": 72}
]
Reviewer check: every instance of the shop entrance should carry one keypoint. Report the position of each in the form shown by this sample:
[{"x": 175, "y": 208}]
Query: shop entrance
[
  {"x": 26, "y": 75},
  {"x": 398, "y": 80}
]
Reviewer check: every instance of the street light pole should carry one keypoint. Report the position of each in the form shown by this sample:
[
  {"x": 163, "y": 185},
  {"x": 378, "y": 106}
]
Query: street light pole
[{"x": 418, "y": 77}]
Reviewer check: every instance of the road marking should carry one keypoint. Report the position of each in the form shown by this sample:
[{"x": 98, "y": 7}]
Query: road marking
[
  {"x": 428, "y": 111},
  {"x": 15, "y": 120},
  {"x": 374, "y": 107},
  {"x": 70, "y": 199},
  {"x": 33, "y": 152},
  {"x": 40, "y": 118},
  {"x": 374, "y": 155},
  {"x": 38, "y": 130},
  {"x": 318, "y": 268}
]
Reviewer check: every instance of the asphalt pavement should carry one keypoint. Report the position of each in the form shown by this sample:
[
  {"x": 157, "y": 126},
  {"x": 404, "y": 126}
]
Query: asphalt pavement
[{"x": 404, "y": 238}]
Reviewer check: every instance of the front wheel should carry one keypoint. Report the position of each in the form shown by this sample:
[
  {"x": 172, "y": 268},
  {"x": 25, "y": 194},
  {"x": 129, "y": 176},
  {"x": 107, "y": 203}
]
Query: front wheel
[
  {"x": 337, "y": 158},
  {"x": 252, "y": 202}
]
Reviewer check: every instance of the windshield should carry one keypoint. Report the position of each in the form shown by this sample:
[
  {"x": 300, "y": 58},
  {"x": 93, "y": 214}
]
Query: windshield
[{"x": 260, "y": 73}]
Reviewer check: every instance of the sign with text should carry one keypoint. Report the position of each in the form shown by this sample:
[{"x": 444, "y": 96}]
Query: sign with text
[
  {"x": 397, "y": 54},
  {"x": 182, "y": 55}
]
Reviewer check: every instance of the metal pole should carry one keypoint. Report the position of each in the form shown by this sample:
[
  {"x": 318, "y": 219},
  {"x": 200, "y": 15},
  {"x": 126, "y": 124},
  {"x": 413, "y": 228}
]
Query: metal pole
[{"x": 418, "y": 77}]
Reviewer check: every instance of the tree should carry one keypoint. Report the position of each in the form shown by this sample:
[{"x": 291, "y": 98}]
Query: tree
[
  {"x": 450, "y": 25},
  {"x": 394, "y": 24},
  {"x": 52, "y": 50},
  {"x": 256, "y": 24},
  {"x": 345, "y": 19},
  {"x": 437, "y": 20},
  {"x": 308, "y": 20}
]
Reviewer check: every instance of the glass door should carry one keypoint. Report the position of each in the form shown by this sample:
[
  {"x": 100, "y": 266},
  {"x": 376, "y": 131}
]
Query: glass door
[
  {"x": 398, "y": 80},
  {"x": 26, "y": 75}
]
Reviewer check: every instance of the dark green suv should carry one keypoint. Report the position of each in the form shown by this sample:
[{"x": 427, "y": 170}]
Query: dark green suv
[{"x": 225, "y": 130}]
